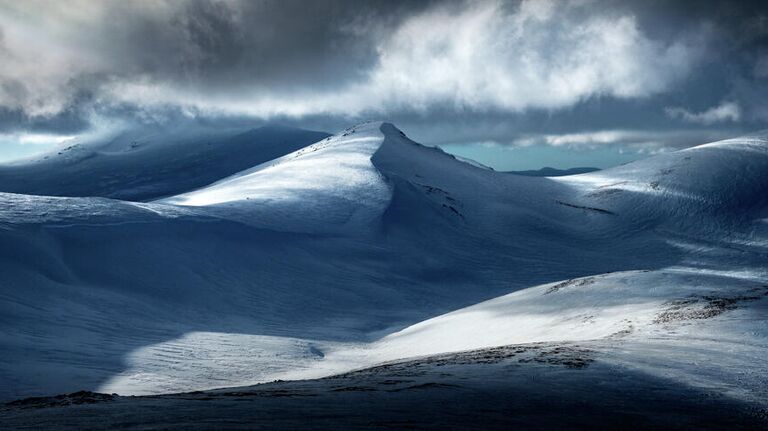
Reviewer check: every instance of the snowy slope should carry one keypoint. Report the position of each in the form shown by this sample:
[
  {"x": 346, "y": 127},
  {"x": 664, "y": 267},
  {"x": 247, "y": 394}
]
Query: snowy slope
[
  {"x": 692, "y": 363},
  {"x": 350, "y": 252},
  {"x": 724, "y": 180},
  {"x": 537, "y": 386},
  {"x": 142, "y": 164}
]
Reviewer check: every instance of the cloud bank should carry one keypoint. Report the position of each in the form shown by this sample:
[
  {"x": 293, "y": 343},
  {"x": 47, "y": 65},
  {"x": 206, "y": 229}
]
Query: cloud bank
[
  {"x": 581, "y": 67},
  {"x": 228, "y": 57}
]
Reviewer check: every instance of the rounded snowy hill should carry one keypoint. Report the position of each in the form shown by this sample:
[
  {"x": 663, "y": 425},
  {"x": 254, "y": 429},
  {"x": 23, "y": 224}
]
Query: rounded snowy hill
[
  {"x": 725, "y": 179},
  {"x": 366, "y": 247},
  {"x": 152, "y": 162}
]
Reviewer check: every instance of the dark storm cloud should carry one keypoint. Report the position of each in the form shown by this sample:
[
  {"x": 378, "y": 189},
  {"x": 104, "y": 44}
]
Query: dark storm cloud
[
  {"x": 233, "y": 44},
  {"x": 70, "y": 60},
  {"x": 461, "y": 70}
]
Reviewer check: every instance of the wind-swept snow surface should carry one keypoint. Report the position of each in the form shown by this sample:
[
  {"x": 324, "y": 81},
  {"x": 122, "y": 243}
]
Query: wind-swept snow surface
[{"x": 367, "y": 248}]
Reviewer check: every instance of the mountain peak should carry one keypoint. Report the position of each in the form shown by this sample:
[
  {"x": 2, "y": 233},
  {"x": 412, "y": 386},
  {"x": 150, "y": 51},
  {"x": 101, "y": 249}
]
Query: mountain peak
[{"x": 391, "y": 129}]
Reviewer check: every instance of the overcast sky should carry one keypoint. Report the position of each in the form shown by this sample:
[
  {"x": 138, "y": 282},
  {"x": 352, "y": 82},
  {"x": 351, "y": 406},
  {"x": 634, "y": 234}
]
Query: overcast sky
[{"x": 611, "y": 76}]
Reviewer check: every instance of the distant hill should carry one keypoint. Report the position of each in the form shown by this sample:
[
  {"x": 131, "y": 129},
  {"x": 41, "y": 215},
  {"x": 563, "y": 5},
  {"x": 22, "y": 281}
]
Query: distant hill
[{"x": 553, "y": 172}]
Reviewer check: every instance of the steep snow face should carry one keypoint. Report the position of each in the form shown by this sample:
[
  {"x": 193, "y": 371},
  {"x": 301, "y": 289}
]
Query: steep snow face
[
  {"x": 150, "y": 163},
  {"x": 315, "y": 263},
  {"x": 316, "y": 188}
]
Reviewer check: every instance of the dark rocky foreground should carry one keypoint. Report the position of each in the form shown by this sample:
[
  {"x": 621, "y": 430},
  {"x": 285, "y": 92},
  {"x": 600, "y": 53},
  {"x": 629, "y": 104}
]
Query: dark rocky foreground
[{"x": 534, "y": 386}]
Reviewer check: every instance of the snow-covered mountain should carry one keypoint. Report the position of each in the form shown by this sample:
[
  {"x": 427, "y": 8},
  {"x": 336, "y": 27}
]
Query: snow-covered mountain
[
  {"x": 147, "y": 163},
  {"x": 366, "y": 247}
]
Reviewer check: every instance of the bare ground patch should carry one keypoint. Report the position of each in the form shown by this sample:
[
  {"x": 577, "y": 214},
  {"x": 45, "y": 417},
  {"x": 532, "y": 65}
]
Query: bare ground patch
[
  {"x": 75, "y": 398},
  {"x": 706, "y": 306},
  {"x": 573, "y": 282},
  {"x": 567, "y": 355}
]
